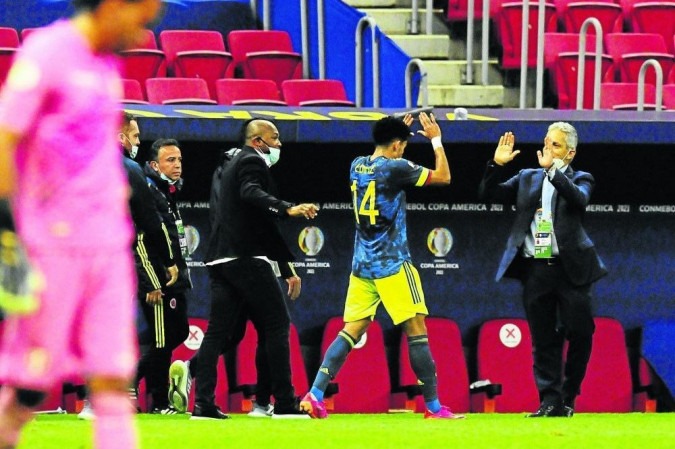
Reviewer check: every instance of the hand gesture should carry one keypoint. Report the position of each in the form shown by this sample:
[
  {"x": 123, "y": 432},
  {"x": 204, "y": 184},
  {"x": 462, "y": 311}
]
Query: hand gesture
[
  {"x": 154, "y": 297},
  {"x": 408, "y": 120},
  {"x": 545, "y": 156},
  {"x": 430, "y": 128},
  {"x": 504, "y": 152},
  {"x": 307, "y": 210},
  {"x": 294, "y": 287}
]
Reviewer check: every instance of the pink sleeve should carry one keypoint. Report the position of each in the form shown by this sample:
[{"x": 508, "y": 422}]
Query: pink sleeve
[{"x": 26, "y": 89}]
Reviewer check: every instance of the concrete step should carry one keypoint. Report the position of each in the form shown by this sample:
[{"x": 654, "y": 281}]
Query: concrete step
[
  {"x": 398, "y": 20},
  {"x": 424, "y": 46},
  {"x": 465, "y": 96},
  {"x": 454, "y": 72}
]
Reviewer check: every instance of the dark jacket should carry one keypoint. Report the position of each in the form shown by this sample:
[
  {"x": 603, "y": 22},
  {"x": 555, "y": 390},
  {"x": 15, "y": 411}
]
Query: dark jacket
[
  {"x": 248, "y": 211},
  {"x": 165, "y": 198},
  {"x": 152, "y": 252},
  {"x": 571, "y": 196}
]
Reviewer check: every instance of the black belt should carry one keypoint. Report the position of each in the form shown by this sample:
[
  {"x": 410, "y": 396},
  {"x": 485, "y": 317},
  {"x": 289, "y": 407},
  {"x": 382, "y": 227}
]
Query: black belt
[{"x": 549, "y": 261}]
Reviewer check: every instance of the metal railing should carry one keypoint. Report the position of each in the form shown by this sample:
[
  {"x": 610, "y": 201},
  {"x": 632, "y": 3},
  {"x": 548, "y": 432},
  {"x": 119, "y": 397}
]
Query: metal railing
[
  {"x": 581, "y": 63},
  {"x": 415, "y": 17},
  {"x": 641, "y": 84},
  {"x": 367, "y": 22},
  {"x": 424, "y": 89},
  {"x": 484, "y": 41}
]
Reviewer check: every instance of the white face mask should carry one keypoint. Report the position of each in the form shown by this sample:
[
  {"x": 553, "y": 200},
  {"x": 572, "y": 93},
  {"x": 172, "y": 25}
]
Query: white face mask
[
  {"x": 133, "y": 152},
  {"x": 273, "y": 156},
  {"x": 559, "y": 163}
]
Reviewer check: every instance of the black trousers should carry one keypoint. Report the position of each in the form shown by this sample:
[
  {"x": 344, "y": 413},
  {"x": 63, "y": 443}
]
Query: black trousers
[
  {"x": 168, "y": 329},
  {"x": 246, "y": 288},
  {"x": 557, "y": 310}
]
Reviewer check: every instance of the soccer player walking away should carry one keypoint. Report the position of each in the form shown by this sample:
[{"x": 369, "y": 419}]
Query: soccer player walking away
[
  {"x": 61, "y": 174},
  {"x": 382, "y": 270}
]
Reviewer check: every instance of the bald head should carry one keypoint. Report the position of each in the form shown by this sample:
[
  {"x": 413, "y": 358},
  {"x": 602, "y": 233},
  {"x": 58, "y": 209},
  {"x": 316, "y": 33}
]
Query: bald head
[{"x": 261, "y": 134}]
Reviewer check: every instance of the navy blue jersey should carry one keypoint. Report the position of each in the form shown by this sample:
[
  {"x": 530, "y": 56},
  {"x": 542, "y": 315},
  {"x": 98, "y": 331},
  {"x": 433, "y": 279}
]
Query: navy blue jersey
[{"x": 381, "y": 242}]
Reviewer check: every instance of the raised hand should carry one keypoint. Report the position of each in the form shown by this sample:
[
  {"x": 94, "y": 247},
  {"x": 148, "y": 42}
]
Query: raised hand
[
  {"x": 504, "y": 152},
  {"x": 408, "y": 120},
  {"x": 545, "y": 156},
  {"x": 430, "y": 128}
]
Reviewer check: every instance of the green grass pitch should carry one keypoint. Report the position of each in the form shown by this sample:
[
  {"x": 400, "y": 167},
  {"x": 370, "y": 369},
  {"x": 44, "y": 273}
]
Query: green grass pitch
[{"x": 405, "y": 431}]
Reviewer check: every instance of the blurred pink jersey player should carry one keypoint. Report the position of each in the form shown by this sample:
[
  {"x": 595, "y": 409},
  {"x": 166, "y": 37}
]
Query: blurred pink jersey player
[{"x": 61, "y": 167}]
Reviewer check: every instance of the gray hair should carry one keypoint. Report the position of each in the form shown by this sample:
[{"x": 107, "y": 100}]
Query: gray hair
[{"x": 571, "y": 137}]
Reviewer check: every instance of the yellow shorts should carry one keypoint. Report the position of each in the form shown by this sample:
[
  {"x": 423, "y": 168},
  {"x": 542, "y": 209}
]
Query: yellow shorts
[{"x": 400, "y": 293}]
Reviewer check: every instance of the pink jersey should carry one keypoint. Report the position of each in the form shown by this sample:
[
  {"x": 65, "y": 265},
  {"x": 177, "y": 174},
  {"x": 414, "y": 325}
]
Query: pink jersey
[{"x": 71, "y": 187}]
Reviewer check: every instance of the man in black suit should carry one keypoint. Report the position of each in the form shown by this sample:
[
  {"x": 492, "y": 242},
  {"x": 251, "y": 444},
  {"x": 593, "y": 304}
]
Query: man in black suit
[
  {"x": 550, "y": 252},
  {"x": 245, "y": 248}
]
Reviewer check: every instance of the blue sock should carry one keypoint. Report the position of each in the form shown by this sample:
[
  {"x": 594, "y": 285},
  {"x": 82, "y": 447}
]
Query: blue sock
[
  {"x": 335, "y": 357},
  {"x": 425, "y": 369}
]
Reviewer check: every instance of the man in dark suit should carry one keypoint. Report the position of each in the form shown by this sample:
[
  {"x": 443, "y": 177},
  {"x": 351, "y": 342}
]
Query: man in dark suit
[
  {"x": 550, "y": 252},
  {"x": 245, "y": 248}
]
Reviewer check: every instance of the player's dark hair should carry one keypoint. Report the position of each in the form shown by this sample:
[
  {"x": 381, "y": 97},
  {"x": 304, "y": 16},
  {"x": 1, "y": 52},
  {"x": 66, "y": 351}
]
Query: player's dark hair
[
  {"x": 158, "y": 144},
  {"x": 388, "y": 129},
  {"x": 127, "y": 118}
]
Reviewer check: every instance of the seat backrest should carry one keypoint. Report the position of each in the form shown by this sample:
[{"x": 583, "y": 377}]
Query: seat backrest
[
  {"x": 297, "y": 91},
  {"x": 163, "y": 89},
  {"x": 132, "y": 91},
  {"x": 509, "y": 26},
  {"x": 149, "y": 41},
  {"x": 26, "y": 32},
  {"x": 363, "y": 381},
  {"x": 445, "y": 342},
  {"x": 241, "y": 42},
  {"x": 655, "y": 17},
  {"x": 458, "y": 9},
  {"x": 174, "y": 41},
  {"x": 9, "y": 37},
  {"x": 566, "y": 73},
  {"x": 614, "y": 94},
  {"x": 621, "y": 43},
  {"x": 504, "y": 356},
  {"x": 230, "y": 90},
  {"x": 556, "y": 43},
  {"x": 574, "y": 13},
  {"x": 669, "y": 95},
  {"x": 607, "y": 386}
]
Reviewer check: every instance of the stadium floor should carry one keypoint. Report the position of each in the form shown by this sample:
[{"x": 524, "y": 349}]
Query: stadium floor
[{"x": 635, "y": 430}]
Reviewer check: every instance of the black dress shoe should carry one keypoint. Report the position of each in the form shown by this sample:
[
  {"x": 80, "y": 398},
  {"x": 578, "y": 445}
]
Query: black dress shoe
[
  {"x": 208, "y": 413},
  {"x": 567, "y": 411},
  {"x": 544, "y": 410}
]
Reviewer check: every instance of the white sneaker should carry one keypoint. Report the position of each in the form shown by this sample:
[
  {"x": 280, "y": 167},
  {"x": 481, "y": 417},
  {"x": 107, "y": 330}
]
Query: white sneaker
[
  {"x": 180, "y": 382},
  {"x": 87, "y": 412},
  {"x": 259, "y": 411}
]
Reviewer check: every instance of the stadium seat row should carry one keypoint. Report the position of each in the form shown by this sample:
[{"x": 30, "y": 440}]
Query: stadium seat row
[{"x": 503, "y": 367}]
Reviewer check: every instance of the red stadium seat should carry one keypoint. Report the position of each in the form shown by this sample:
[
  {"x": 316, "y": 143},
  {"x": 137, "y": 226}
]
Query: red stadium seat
[
  {"x": 458, "y": 9},
  {"x": 565, "y": 73},
  {"x": 9, "y": 38},
  {"x": 133, "y": 93},
  {"x": 445, "y": 342},
  {"x": 573, "y": 13},
  {"x": 178, "y": 91},
  {"x": 315, "y": 93},
  {"x": 653, "y": 17},
  {"x": 143, "y": 62},
  {"x": 631, "y": 50},
  {"x": 246, "y": 374},
  {"x": 265, "y": 55},
  {"x": 504, "y": 356},
  {"x": 509, "y": 24},
  {"x": 197, "y": 53},
  {"x": 623, "y": 96},
  {"x": 556, "y": 43},
  {"x": 234, "y": 91},
  {"x": 669, "y": 96},
  {"x": 607, "y": 386},
  {"x": 363, "y": 383}
]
